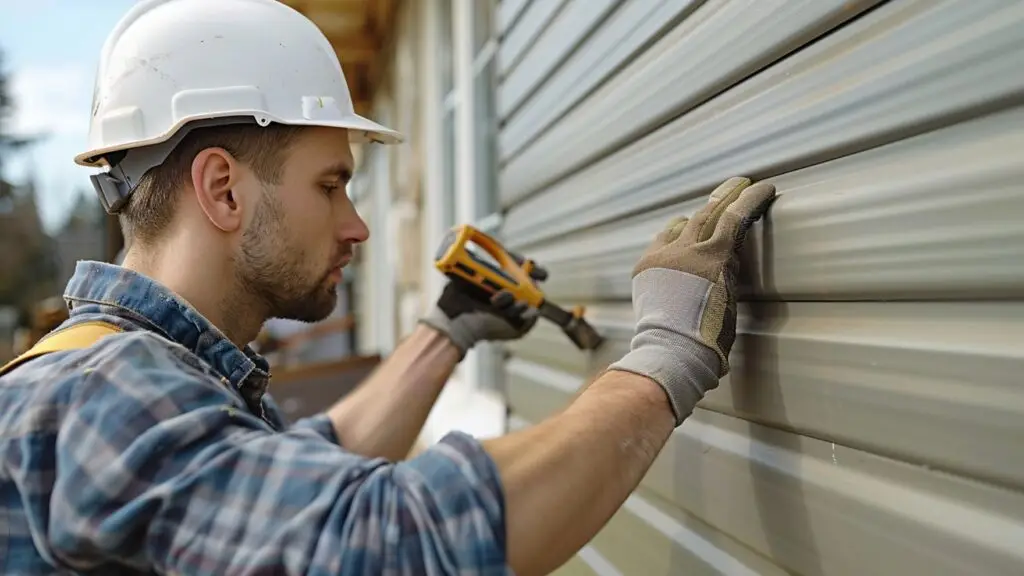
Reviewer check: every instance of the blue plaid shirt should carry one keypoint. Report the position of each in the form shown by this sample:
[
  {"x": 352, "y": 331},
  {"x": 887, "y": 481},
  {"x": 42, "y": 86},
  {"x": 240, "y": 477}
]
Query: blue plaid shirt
[{"x": 158, "y": 450}]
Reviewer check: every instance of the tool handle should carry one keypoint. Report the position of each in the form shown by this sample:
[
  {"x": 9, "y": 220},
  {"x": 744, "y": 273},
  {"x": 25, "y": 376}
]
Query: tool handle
[
  {"x": 509, "y": 272},
  {"x": 582, "y": 334},
  {"x": 556, "y": 314},
  {"x": 536, "y": 272},
  {"x": 511, "y": 265}
]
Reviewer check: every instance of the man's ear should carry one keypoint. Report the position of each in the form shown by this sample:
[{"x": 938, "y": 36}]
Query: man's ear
[{"x": 215, "y": 173}]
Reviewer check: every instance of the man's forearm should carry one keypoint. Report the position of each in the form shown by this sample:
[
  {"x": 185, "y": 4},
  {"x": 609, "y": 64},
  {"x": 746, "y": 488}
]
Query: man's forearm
[
  {"x": 384, "y": 415},
  {"x": 613, "y": 431}
]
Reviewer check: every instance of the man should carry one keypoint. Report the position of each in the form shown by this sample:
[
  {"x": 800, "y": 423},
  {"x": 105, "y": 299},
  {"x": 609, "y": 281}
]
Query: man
[{"x": 158, "y": 450}]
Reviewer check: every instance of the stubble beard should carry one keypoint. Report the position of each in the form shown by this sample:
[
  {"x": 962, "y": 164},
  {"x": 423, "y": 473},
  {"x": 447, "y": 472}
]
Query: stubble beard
[{"x": 271, "y": 271}]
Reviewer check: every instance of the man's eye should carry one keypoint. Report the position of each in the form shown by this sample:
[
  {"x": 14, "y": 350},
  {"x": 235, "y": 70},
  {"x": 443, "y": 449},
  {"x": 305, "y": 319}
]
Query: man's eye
[{"x": 328, "y": 188}]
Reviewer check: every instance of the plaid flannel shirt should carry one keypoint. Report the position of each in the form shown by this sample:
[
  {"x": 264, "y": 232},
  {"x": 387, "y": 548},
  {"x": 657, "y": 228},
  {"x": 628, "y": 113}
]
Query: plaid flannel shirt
[{"x": 158, "y": 450}]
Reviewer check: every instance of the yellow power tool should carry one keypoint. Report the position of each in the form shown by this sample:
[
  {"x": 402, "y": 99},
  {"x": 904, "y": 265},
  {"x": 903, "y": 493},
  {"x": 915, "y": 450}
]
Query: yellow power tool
[{"x": 462, "y": 256}]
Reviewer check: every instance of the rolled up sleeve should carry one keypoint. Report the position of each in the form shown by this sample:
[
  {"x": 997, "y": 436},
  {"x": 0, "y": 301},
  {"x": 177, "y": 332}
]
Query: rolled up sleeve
[{"x": 157, "y": 471}]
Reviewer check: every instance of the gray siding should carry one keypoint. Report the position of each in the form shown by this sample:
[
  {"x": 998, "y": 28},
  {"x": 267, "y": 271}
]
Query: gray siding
[{"x": 873, "y": 420}]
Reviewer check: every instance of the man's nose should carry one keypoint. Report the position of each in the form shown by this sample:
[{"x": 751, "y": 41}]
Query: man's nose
[{"x": 354, "y": 229}]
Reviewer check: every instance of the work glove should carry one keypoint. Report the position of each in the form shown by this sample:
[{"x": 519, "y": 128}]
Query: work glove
[
  {"x": 468, "y": 314},
  {"x": 684, "y": 295}
]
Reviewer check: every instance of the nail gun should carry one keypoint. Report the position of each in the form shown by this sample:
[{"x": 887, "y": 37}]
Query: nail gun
[{"x": 463, "y": 254}]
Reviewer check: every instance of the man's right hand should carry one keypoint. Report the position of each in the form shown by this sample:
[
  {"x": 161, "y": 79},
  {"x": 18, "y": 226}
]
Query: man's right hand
[
  {"x": 467, "y": 314},
  {"x": 684, "y": 295}
]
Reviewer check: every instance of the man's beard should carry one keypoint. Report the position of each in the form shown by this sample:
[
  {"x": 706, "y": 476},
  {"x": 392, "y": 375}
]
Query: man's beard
[{"x": 272, "y": 272}]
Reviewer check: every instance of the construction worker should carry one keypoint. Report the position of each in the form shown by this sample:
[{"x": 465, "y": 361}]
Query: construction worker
[{"x": 140, "y": 438}]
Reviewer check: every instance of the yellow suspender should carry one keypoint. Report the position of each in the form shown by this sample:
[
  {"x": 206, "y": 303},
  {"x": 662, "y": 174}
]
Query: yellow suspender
[{"x": 71, "y": 338}]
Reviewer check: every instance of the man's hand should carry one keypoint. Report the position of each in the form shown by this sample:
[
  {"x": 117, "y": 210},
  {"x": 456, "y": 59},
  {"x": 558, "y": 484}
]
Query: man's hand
[
  {"x": 383, "y": 416},
  {"x": 684, "y": 295},
  {"x": 467, "y": 314}
]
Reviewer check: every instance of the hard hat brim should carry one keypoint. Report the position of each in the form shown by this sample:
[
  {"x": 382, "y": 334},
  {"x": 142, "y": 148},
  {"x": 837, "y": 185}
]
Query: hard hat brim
[
  {"x": 364, "y": 130},
  {"x": 361, "y": 130}
]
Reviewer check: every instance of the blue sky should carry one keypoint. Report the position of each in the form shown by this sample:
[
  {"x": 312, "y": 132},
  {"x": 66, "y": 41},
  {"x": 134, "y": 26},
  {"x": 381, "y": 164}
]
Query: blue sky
[{"x": 51, "y": 48}]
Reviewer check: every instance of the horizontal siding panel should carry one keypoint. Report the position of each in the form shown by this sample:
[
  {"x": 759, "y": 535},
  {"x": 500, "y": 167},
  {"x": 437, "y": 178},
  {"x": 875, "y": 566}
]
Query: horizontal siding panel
[
  {"x": 939, "y": 384},
  {"x": 514, "y": 45},
  {"x": 597, "y": 563},
  {"x": 815, "y": 507},
  {"x": 517, "y": 423},
  {"x": 648, "y": 535},
  {"x": 614, "y": 43},
  {"x": 557, "y": 41},
  {"x": 902, "y": 69},
  {"x": 935, "y": 216},
  {"x": 577, "y": 566},
  {"x": 716, "y": 46},
  {"x": 508, "y": 12}
]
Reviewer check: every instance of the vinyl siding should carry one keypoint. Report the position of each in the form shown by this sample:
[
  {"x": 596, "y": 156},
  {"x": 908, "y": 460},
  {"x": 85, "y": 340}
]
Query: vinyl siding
[{"x": 874, "y": 414}]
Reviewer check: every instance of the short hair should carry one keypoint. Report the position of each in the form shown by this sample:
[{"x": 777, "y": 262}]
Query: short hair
[{"x": 150, "y": 208}]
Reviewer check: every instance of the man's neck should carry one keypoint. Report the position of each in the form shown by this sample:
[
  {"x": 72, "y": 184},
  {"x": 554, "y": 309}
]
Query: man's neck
[{"x": 209, "y": 288}]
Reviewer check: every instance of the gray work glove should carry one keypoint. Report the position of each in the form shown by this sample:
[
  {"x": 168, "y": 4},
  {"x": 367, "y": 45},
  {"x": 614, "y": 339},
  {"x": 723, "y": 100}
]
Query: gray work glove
[
  {"x": 684, "y": 295},
  {"x": 467, "y": 314}
]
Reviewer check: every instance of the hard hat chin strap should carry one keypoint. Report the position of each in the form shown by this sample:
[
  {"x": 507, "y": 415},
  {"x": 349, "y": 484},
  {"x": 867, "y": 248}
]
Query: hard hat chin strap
[
  {"x": 127, "y": 167},
  {"x": 114, "y": 187}
]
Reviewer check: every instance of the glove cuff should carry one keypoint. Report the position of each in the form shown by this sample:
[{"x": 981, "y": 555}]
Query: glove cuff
[
  {"x": 684, "y": 374},
  {"x": 667, "y": 347},
  {"x": 452, "y": 329}
]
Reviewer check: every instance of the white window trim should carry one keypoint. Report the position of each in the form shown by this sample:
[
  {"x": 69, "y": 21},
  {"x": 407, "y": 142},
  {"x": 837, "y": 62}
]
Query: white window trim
[
  {"x": 384, "y": 249},
  {"x": 465, "y": 139},
  {"x": 434, "y": 198},
  {"x": 465, "y": 108},
  {"x": 471, "y": 401}
]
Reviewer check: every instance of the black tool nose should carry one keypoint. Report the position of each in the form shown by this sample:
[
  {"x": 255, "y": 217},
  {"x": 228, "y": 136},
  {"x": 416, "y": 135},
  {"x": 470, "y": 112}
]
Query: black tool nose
[{"x": 539, "y": 273}]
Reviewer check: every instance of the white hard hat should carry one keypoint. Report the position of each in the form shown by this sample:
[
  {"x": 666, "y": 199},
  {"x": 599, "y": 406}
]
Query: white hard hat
[{"x": 172, "y": 65}]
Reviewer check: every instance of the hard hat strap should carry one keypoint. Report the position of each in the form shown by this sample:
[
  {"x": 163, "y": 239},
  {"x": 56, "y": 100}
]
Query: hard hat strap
[{"x": 128, "y": 166}]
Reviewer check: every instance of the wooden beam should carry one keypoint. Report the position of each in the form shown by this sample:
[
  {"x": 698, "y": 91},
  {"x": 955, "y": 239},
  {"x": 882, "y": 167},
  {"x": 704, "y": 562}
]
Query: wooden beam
[
  {"x": 336, "y": 4},
  {"x": 329, "y": 368},
  {"x": 355, "y": 48},
  {"x": 356, "y": 80},
  {"x": 379, "y": 14},
  {"x": 354, "y": 42},
  {"x": 335, "y": 21},
  {"x": 355, "y": 56},
  {"x": 363, "y": 107}
]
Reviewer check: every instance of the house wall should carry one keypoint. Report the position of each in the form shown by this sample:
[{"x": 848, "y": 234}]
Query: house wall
[{"x": 873, "y": 419}]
